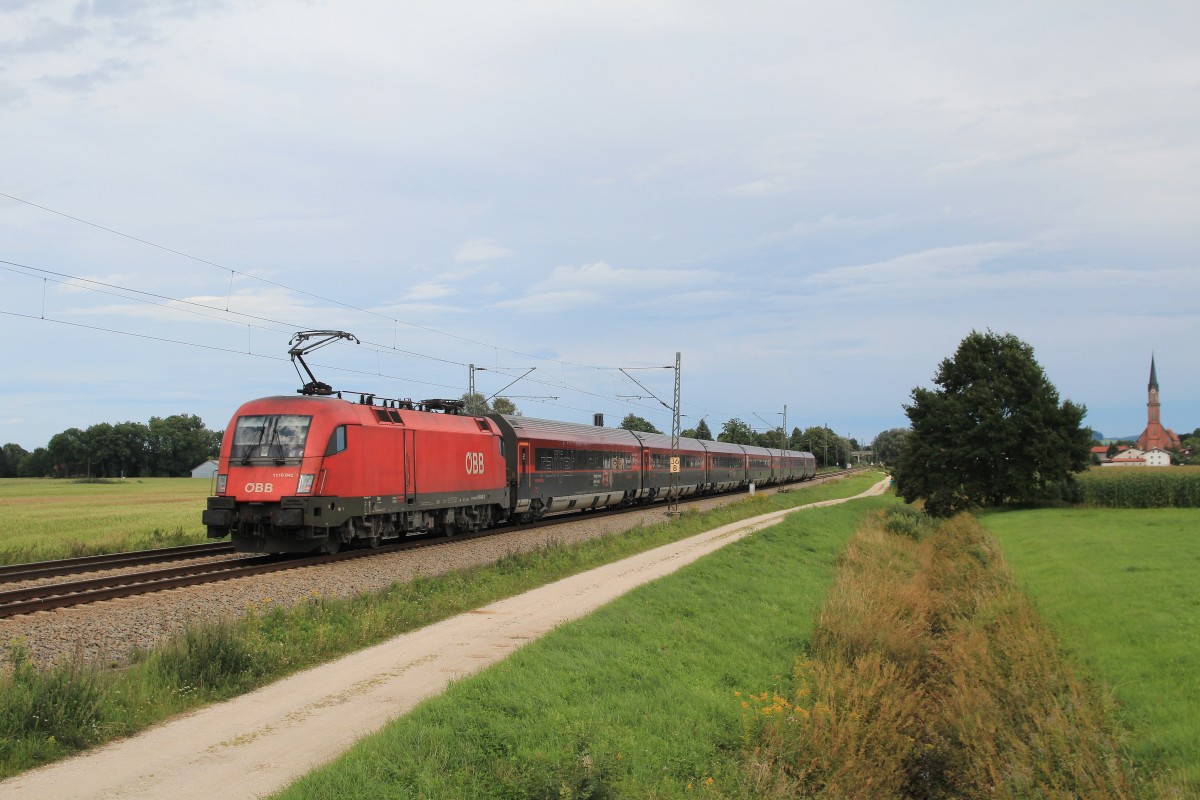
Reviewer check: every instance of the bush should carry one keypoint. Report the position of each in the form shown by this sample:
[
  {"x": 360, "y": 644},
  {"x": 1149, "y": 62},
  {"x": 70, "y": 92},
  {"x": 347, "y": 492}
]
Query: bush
[
  {"x": 907, "y": 521},
  {"x": 214, "y": 659}
]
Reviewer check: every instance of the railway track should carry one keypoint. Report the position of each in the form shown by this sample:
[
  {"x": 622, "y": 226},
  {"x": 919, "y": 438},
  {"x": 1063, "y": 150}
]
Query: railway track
[
  {"x": 13, "y": 573},
  {"x": 81, "y": 592}
]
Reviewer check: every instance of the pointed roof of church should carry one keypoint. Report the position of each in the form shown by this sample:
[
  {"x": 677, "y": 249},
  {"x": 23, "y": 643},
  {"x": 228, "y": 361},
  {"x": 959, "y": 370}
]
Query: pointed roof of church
[{"x": 1153, "y": 377}]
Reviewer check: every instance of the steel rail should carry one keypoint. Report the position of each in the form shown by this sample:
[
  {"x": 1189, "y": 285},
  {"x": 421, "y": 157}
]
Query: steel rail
[
  {"x": 11, "y": 573},
  {"x": 63, "y": 595}
]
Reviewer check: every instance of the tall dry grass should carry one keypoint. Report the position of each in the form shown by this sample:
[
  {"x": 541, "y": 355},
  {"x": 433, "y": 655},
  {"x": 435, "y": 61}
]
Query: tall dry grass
[{"x": 931, "y": 676}]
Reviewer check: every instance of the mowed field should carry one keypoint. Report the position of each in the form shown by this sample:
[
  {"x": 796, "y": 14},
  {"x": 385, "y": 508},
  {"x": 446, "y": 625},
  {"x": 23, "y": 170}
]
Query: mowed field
[
  {"x": 1121, "y": 588},
  {"x": 43, "y": 519}
]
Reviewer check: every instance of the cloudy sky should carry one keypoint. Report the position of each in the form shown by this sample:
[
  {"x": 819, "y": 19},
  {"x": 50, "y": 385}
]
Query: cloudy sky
[{"x": 813, "y": 202}]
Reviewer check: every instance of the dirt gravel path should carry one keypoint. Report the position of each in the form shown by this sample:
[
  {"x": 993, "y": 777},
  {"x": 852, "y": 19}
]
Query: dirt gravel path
[{"x": 258, "y": 743}]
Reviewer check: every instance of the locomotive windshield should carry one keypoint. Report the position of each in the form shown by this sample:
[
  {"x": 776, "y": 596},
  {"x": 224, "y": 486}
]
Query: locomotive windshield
[{"x": 269, "y": 436}]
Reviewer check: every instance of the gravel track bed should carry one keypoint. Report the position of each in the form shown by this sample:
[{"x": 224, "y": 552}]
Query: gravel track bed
[{"x": 105, "y": 632}]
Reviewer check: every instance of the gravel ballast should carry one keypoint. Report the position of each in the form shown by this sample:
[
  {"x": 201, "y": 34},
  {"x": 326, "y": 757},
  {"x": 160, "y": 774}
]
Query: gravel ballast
[{"x": 106, "y": 632}]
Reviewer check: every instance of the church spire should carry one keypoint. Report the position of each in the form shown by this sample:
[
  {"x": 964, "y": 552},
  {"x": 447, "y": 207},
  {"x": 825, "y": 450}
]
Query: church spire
[{"x": 1153, "y": 386}]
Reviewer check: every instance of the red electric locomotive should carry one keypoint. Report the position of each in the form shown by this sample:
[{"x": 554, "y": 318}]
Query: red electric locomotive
[{"x": 317, "y": 473}]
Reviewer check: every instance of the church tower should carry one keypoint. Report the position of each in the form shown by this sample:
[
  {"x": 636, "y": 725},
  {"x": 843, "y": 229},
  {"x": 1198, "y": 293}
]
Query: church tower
[{"x": 1155, "y": 435}]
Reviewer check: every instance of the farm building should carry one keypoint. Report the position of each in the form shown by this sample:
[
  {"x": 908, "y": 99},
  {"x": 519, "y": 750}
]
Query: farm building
[
  {"x": 206, "y": 470},
  {"x": 1134, "y": 457}
]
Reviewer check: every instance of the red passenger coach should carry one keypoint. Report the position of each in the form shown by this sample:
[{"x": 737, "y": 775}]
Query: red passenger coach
[
  {"x": 316, "y": 473},
  {"x": 657, "y": 455},
  {"x": 559, "y": 465}
]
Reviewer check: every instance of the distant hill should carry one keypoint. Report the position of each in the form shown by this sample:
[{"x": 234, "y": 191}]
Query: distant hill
[{"x": 1114, "y": 439}]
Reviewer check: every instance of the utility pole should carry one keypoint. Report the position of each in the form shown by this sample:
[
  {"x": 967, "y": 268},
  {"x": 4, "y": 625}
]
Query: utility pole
[
  {"x": 676, "y": 463},
  {"x": 783, "y": 431}
]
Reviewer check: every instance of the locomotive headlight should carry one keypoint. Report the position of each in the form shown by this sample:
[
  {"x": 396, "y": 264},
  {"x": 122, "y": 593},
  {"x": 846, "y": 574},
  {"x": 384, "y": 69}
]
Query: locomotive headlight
[
  {"x": 221, "y": 481},
  {"x": 305, "y": 484}
]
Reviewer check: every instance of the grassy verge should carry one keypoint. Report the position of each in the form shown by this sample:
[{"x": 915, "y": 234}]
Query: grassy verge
[
  {"x": 47, "y": 519},
  {"x": 1122, "y": 590},
  {"x": 636, "y": 700},
  {"x": 925, "y": 675},
  {"x": 218, "y": 661},
  {"x": 931, "y": 676}
]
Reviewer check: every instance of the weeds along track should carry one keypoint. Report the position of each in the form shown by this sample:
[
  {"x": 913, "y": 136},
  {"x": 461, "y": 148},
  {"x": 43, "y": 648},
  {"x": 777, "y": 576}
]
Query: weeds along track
[{"x": 46, "y": 596}]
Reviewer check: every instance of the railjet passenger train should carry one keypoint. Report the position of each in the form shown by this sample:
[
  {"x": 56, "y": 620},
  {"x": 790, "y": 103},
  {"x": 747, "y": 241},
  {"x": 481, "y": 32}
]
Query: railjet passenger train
[{"x": 318, "y": 472}]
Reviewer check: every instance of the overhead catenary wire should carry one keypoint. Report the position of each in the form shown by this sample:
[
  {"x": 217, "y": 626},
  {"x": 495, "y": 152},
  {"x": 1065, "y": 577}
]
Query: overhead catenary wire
[
  {"x": 211, "y": 312},
  {"x": 290, "y": 288},
  {"x": 175, "y": 304}
]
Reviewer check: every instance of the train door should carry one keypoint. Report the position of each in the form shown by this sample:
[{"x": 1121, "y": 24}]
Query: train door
[
  {"x": 410, "y": 460},
  {"x": 523, "y": 465}
]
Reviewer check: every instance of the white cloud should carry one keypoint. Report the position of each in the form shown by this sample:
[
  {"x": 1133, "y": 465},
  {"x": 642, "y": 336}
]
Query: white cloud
[
  {"x": 766, "y": 187},
  {"x": 601, "y": 277},
  {"x": 481, "y": 250},
  {"x": 551, "y": 302},
  {"x": 427, "y": 291},
  {"x": 919, "y": 269}
]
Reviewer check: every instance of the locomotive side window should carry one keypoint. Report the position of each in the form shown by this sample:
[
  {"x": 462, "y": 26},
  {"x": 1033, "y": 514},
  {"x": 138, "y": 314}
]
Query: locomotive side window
[
  {"x": 270, "y": 436},
  {"x": 337, "y": 441}
]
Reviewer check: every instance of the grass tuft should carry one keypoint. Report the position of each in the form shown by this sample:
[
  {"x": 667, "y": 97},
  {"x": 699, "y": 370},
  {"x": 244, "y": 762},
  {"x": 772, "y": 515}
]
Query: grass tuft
[{"x": 54, "y": 710}]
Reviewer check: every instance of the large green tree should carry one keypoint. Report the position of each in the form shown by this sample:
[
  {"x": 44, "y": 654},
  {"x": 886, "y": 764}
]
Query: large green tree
[
  {"x": 889, "y": 443},
  {"x": 993, "y": 432},
  {"x": 11, "y": 456},
  {"x": 829, "y": 448},
  {"x": 180, "y": 442},
  {"x": 633, "y": 422},
  {"x": 478, "y": 405},
  {"x": 736, "y": 432}
]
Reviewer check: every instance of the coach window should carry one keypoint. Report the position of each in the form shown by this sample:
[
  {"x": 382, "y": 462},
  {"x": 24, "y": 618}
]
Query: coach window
[{"x": 337, "y": 441}]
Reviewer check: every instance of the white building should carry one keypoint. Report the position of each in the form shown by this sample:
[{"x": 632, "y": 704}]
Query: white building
[
  {"x": 206, "y": 470},
  {"x": 1140, "y": 458},
  {"x": 1157, "y": 458}
]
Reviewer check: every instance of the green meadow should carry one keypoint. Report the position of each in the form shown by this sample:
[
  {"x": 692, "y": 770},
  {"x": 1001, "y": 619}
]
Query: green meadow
[
  {"x": 46, "y": 519},
  {"x": 1121, "y": 588}
]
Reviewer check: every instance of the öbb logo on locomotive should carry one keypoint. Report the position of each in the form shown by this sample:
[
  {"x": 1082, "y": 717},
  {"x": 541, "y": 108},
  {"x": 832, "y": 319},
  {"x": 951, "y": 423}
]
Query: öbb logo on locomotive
[{"x": 321, "y": 471}]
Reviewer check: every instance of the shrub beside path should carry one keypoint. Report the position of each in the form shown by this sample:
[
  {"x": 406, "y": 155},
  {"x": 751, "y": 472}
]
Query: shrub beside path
[{"x": 258, "y": 743}]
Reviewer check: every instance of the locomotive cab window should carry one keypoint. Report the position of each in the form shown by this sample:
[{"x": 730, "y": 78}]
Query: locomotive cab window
[
  {"x": 337, "y": 441},
  {"x": 276, "y": 437}
]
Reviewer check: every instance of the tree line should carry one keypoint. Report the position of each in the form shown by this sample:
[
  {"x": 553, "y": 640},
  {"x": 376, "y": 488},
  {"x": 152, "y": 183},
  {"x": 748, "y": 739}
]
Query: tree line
[{"x": 165, "y": 447}]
